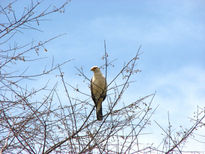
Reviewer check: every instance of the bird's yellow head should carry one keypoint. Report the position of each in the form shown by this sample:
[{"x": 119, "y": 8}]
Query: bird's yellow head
[{"x": 95, "y": 69}]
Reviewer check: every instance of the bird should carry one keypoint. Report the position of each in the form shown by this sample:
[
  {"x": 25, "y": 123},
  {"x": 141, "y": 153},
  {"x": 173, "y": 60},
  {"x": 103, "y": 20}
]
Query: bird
[{"x": 98, "y": 90}]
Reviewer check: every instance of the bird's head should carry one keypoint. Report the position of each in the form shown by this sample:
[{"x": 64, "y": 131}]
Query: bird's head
[{"x": 95, "y": 69}]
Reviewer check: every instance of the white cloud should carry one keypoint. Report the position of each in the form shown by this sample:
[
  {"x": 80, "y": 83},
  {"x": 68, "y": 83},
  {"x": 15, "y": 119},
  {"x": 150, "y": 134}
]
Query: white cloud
[
  {"x": 154, "y": 24},
  {"x": 185, "y": 83}
]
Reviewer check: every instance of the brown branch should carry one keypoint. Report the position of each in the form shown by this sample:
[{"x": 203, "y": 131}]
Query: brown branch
[{"x": 189, "y": 132}]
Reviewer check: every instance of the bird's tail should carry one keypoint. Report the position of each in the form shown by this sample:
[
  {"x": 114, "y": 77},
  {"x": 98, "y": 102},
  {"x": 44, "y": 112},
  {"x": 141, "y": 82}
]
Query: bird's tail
[{"x": 99, "y": 113}]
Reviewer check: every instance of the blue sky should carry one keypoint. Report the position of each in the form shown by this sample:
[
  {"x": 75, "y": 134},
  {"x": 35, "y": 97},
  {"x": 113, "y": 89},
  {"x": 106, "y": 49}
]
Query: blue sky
[{"x": 172, "y": 36}]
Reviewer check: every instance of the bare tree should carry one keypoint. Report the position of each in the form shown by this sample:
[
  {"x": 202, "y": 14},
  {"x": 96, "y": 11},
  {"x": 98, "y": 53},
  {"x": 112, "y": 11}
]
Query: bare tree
[
  {"x": 46, "y": 120},
  {"x": 175, "y": 140},
  {"x": 22, "y": 117},
  {"x": 121, "y": 125}
]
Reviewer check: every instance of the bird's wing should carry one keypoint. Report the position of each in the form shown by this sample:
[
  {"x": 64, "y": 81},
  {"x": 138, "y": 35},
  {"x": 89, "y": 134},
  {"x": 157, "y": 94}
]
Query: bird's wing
[
  {"x": 104, "y": 94},
  {"x": 92, "y": 93}
]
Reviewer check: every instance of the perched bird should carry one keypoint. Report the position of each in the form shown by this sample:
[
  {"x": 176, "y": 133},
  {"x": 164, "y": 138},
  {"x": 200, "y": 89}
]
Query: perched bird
[{"x": 98, "y": 90}]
